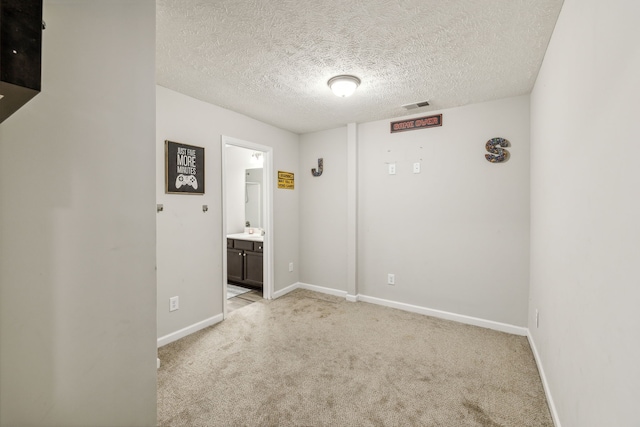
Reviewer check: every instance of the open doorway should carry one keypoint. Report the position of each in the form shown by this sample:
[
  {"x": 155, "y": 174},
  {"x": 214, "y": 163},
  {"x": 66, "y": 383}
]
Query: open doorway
[{"x": 247, "y": 189}]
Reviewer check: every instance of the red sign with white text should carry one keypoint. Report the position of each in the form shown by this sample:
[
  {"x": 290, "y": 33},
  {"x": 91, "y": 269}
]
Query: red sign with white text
[{"x": 419, "y": 123}]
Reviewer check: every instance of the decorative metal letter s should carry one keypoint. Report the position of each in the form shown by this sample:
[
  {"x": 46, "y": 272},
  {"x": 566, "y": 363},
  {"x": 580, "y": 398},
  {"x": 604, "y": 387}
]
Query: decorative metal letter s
[
  {"x": 318, "y": 172},
  {"x": 498, "y": 154}
]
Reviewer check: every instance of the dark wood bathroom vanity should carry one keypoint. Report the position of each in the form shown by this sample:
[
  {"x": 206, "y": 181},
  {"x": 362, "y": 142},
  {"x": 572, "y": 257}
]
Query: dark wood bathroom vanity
[{"x": 244, "y": 262}]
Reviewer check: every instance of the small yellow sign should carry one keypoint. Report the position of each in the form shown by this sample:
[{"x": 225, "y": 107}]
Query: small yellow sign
[{"x": 285, "y": 180}]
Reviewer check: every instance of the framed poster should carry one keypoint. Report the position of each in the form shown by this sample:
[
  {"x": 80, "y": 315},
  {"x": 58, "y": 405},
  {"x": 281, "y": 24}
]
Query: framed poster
[{"x": 184, "y": 168}]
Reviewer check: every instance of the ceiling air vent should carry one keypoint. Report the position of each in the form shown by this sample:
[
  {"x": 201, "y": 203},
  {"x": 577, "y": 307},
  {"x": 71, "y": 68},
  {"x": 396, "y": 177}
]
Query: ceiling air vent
[{"x": 415, "y": 105}]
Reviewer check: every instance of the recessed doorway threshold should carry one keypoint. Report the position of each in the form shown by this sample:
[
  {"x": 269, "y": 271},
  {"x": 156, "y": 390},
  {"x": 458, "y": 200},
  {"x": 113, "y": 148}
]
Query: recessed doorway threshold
[{"x": 240, "y": 296}]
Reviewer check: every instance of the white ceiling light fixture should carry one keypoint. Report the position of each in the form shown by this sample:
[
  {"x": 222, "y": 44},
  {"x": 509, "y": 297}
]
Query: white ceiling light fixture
[{"x": 343, "y": 85}]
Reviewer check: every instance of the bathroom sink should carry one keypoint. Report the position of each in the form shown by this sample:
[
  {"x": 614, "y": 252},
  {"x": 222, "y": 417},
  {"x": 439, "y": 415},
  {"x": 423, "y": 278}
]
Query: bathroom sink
[{"x": 246, "y": 236}]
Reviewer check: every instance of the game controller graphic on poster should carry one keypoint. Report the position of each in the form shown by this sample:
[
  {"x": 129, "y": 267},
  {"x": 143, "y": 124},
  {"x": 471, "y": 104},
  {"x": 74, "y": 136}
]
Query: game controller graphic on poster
[
  {"x": 184, "y": 168},
  {"x": 186, "y": 180}
]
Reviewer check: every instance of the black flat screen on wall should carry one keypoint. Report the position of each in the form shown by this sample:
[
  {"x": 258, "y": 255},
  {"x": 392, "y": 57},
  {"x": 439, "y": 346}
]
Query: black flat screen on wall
[{"x": 184, "y": 168}]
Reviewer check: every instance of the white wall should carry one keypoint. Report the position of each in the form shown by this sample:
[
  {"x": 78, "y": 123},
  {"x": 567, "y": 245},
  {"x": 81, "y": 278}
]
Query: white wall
[
  {"x": 323, "y": 209},
  {"x": 190, "y": 242},
  {"x": 77, "y": 252},
  {"x": 456, "y": 235},
  {"x": 253, "y": 188},
  {"x": 585, "y": 214},
  {"x": 238, "y": 160}
]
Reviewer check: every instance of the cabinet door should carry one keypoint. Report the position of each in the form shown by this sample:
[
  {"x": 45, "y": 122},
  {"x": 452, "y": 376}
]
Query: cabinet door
[
  {"x": 253, "y": 268},
  {"x": 235, "y": 265}
]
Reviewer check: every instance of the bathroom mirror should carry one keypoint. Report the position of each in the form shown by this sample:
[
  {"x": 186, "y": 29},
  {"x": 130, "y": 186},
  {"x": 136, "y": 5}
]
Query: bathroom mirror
[{"x": 253, "y": 198}]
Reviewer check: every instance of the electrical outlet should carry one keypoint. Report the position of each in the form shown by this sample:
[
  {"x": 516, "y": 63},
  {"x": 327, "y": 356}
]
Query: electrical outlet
[
  {"x": 290, "y": 266},
  {"x": 392, "y": 168},
  {"x": 391, "y": 279},
  {"x": 174, "y": 303},
  {"x": 416, "y": 167}
]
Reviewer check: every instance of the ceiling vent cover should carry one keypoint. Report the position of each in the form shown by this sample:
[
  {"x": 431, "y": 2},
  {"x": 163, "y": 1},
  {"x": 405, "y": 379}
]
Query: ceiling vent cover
[{"x": 415, "y": 105}]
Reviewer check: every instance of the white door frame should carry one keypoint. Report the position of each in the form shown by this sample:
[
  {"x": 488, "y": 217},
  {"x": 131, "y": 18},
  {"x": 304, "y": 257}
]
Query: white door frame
[{"x": 267, "y": 215}]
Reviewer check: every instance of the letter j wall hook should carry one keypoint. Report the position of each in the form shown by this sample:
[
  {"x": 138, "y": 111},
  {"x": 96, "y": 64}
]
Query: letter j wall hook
[{"x": 318, "y": 172}]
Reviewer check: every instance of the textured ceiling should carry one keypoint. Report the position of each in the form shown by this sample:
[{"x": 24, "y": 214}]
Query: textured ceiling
[{"x": 271, "y": 59}]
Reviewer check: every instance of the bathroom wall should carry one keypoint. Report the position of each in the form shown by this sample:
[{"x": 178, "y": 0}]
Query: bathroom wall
[
  {"x": 254, "y": 200},
  {"x": 238, "y": 160}
]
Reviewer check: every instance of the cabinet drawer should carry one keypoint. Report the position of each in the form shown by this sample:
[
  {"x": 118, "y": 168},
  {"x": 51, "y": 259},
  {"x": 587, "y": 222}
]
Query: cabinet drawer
[
  {"x": 230, "y": 243},
  {"x": 243, "y": 244},
  {"x": 257, "y": 246}
]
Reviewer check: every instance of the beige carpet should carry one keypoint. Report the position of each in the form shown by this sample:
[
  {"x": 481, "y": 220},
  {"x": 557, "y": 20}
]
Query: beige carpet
[{"x": 309, "y": 359}]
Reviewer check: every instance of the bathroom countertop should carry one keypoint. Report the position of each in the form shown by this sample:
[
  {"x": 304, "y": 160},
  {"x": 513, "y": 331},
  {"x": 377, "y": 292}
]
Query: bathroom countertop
[{"x": 246, "y": 236}]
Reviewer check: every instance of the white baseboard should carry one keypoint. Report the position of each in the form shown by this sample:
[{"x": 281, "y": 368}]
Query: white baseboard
[
  {"x": 545, "y": 384},
  {"x": 281, "y": 292},
  {"x": 461, "y": 318},
  {"x": 489, "y": 324},
  {"x": 174, "y": 336},
  {"x": 323, "y": 290},
  {"x": 307, "y": 286}
]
